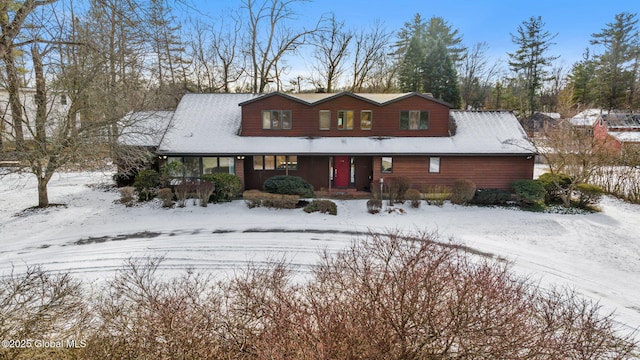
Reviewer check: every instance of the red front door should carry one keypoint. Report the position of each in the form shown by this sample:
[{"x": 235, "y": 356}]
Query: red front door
[{"x": 341, "y": 170}]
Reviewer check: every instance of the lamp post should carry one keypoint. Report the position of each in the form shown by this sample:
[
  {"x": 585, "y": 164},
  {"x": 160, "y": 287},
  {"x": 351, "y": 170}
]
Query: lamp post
[{"x": 381, "y": 183}]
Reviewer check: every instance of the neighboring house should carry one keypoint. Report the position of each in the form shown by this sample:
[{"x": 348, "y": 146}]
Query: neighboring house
[
  {"x": 346, "y": 140},
  {"x": 540, "y": 122},
  {"x": 616, "y": 129},
  {"x": 57, "y": 107},
  {"x": 144, "y": 128}
]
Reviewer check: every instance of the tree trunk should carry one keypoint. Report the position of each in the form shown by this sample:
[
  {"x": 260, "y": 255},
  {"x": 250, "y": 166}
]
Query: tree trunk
[{"x": 43, "y": 195}]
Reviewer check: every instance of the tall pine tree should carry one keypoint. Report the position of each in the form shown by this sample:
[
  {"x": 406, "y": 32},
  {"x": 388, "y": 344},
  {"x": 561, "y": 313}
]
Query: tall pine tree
[
  {"x": 530, "y": 61},
  {"x": 616, "y": 67}
]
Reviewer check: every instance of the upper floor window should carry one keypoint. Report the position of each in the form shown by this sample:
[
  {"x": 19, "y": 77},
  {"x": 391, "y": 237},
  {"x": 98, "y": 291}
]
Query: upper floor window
[
  {"x": 345, "y": 120},
  {"x": 414, "y": 120},
  {"x": 325, "y": 119},
  {"x": 366, "y": 117},
  {"x": 276, "y": 119}
]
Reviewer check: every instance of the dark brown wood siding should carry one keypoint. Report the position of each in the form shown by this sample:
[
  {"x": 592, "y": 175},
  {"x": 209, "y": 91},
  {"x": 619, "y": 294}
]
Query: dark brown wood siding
[
  {"x": 314, "y": 169},
  {"x": 306, "y": 119},
  {"x": 485, "y": 171}
]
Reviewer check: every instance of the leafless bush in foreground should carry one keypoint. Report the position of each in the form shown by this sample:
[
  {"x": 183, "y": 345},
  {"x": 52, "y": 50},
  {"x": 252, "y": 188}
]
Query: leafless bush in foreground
[
  {"x": 37, "y": 310},
  {"x": 388, "y": 296}
]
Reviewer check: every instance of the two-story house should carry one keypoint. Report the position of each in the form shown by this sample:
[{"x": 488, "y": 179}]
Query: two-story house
[{"x": 346, "y": 140}]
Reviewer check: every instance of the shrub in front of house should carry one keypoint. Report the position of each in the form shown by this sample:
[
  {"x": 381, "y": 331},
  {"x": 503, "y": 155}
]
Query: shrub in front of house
[
  {"x": 127, "y": 194},
  {"x": 166, "y": 195},
  {"x": 396, "y": 187},
  {"x": 288, "y": 185},
  {"x": 490, "y": 197},
  {"x": 588, "y": 195},
  {"x": 227, "y": 186},
  {"x": 555, "y": 185},
  {"x": 322, "y": 206},
  {"x": 146, "y": 183},
  {"x": 374, "y": 206},
  {"x": 256, "y": 198},
  {"x": 530, "y": 194},
  {"x": 436, "y": 194},
  {"x": 463, "y": 191},
  {"x": 184, "y": 190},
  {"x": 204, "y": 189},
  {"x": 414, "y": 196}
]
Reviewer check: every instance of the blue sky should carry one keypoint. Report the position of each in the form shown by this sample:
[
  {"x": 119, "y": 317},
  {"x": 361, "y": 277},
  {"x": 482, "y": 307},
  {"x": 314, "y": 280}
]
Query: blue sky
[{"x": 490, "y": 21}]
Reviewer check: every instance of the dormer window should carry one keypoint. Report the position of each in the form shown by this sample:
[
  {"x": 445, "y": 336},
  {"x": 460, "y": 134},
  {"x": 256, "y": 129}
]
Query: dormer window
[
  {"x": 276, "y": 119},
  {"x": 414, "y": 120},
  {"x": 345, "y": 120}
]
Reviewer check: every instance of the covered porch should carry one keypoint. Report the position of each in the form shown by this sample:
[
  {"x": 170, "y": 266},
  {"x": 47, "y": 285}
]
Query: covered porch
[{"x": 326, "y": 173}]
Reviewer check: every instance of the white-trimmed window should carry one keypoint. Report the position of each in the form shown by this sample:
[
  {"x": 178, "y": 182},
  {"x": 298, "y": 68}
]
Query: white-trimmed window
[
  {"x": 345, "y": 120},
  {"x": 434, "y": 164},
  {"x": 276, "y": 119},
  {"x": 366, "y": 119},
  {"x": 386, "y": 165},
  {"x": 414, "y": 120},
  {"x": 325, "y": 119}
]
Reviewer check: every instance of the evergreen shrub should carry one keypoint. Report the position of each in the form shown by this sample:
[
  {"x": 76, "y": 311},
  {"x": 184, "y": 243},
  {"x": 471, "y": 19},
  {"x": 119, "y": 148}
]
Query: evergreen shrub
[
  {"x": 288, "y": 185},
  {"x": 489, "y": 197},
  {"x": 555, "y": 185},
  {"x": 530, "y": 194},
  {"x": 146, "y": 183},
  {"x": 227, "y": 186},
  {"x": 322, "y": 206},
  {"x": 256, "y": 198},
  {"x": 589, "y": 195}
]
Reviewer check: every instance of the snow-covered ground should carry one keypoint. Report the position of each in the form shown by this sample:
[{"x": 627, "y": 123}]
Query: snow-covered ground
[{"x": 598, "y": 255}]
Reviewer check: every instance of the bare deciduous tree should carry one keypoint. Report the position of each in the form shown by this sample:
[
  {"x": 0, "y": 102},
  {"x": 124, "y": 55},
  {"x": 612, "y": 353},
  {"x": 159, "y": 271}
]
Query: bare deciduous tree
[
  {"x": 370, "y": 47},
  {"x": 476, "y": 76},
  {"x": 331, "y": 52},
  {"x": 270, "y": 38}
]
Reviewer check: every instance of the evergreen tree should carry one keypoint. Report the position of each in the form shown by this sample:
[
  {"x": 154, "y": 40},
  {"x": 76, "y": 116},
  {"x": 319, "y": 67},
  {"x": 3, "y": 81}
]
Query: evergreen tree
[
  {"x": 530, "y": 60},
  {"x": 438, "y": 29},
  {"x": 440, "y": 77},
  {"x": 410, "y": 73},
  {"x": 616, "y": 66},
  {"x": 582, "y": 80},
  {"x": 427, "y": 53}
]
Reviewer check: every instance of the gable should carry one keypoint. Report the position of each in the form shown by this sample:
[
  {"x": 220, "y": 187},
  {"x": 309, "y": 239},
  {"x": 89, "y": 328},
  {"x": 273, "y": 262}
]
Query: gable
[{"x": 382, "y": 112}]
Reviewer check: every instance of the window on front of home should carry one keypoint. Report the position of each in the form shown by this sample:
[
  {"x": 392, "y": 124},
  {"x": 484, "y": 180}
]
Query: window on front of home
[
  {"x": 174, "y": 171},
  {"x": 226, "y": 165},
  {"x": 434, "y": 164},
  {"x": 191, "y": 167},
  {"x": 275, "y": 162},
  {"x": 365, "y": 119},
  {"x": 269, "y": 163},
  {"x": 325, "y": 119},
  {"x": 209, "y": 165},
  {"x": 386, "y": 166},
  {"x": 414, "y": 120},
  {"x": 276, "y": 119},
  {"x": 258, "y": 163},
  {"x": 345, "y": 120}
]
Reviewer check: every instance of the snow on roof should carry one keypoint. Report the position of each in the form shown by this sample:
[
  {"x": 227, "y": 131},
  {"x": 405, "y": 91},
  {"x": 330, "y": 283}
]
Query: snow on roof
[
  {"x": 626, "y": 136},
  {"x": 144, "y": 128},
  {"x": 209, "y": 124}
]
